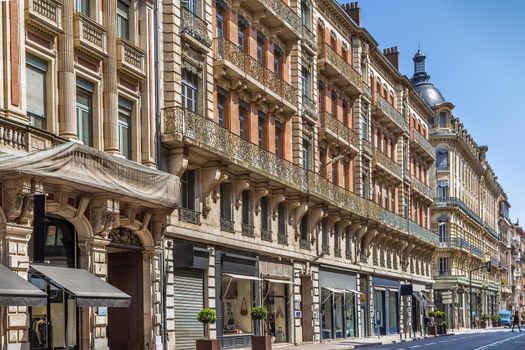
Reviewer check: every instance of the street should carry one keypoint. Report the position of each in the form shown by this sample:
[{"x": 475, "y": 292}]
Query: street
[{"x": 504, "y": 339}]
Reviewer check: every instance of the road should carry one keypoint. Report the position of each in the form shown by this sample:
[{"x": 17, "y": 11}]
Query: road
[{"x": 501, "y": 340}]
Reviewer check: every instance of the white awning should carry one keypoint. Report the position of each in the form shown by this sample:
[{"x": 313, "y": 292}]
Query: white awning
[
  {"x": 354, "y": 291},
  {"x": 242, "y": 277},
  {"x": 273, "y": 280}
]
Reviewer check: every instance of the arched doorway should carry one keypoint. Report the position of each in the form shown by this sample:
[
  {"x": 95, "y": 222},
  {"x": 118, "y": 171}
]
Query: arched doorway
[{"x": 125, "y": 272}]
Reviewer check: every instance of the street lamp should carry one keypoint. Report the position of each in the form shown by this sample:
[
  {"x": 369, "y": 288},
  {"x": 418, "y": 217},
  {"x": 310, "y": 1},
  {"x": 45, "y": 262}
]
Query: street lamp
[{"x": 486, "y": 265}]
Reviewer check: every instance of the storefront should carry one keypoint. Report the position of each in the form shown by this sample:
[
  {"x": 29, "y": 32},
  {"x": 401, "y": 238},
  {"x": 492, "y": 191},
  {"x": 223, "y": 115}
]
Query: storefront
[
  {"x": 237, "y": 292},
  {"x": 385, "y": 306},
  {"x": 420, "y": 307},
  {"x": 339, "y": 299}
]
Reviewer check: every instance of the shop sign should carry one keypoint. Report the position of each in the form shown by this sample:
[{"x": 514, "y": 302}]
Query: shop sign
[{"x": 298, "y": 314}]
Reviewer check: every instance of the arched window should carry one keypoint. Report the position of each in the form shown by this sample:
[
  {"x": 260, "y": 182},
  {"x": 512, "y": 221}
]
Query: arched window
[
  {"x": 442, "y": 159},
  {"x": 443, "y": 230},
  {"x": 442, "y": 190}
]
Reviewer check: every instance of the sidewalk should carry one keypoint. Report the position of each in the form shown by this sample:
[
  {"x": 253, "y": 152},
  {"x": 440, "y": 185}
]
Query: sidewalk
[{"x": 356, "y": 343}]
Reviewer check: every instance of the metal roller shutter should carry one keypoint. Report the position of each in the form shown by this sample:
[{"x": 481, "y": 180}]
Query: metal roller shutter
[{"x": 189, "y": 300}]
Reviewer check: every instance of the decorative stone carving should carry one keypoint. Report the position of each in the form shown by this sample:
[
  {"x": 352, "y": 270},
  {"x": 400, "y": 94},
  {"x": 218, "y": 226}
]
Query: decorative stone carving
[
  {"x": 102, "y": 215},
  {"x": 125, "y": 236}
]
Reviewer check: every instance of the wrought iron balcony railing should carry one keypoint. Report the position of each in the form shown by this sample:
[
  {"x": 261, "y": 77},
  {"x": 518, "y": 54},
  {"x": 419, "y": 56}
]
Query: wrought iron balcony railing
[
  {"x": 89, "y": 36},
  {"x": 325, "y": 249},
  {"x": 266, "y": 235},
  {"x": 339, "y": 130},
  {"x": 348, "y": 254},
  {"x": 248, "y": 230},
  {"x": 337, "y": 252},
  {"x": 424, "y": 143},
  {"x": 45, "y": 16},
  {"x": 227, "y": 225},
  {"x": 309, "y": 108},
  {"x": 282, "y": 238},
  {"x": 194, "y": 26},
  {"x": 476, "y": 251},
  {"x": 387, "y": 163},
  {"x": 422, "y": 188},
  {"x": 309, "y": 38},
  {"x": 228, "y": 51},
  {"x": 345, "y": 71},
  {"x": 305, "y": 244},
  {"x": 285, "y": 14},
  {"x": 388, "y": 110},
  {"x": 220, "y": 141},
  {"x": 190, "y": 215}
]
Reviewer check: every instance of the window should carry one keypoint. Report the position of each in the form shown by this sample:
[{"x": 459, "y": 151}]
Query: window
[
  {"x": 305, "y": 14},
  {"x": 84, "y": 110},
  {"x": 442, "y": 190},
  {"x": 346, "y": 173},
  {"x": 325, "y": 235},
  {"x": 387, "y": 200},
  {"x": 221, "y": 100},
  {"x": 366, "y": 189},
  {"x": 279, "y": 130},
  {"x": 282, "y": 218},
  {"x": 305, "y": 82},
  {"x": 364, "y": 127},
  {"x": 304, "y": 226},
  {"x": 188, "y": 189},
  {"x": 124, "y": 127},
  {"x": 322, "y": 162},
  {"x": 442, "y": 159},
  {"x": 307, "y": 154},
  {"x": 190, "y": 5},
  {"x": 123, "y": 19},
  {"x": 335, "y": 171},
  {"x": 443, "y": 230},
  {"x": 260, "y": 47},
  {"x": 337, "y": 241},
  {"x": 243, "y": 111},
  {"x": 261, "y": 130},
  {"x": 277, "y": 56},
  {"x": 431, "y": 122},
  {"x": 348, "y": 243},
  {"x": 265, "y": 213},
  {"x": 442, "y": 120},
  {"x": 36, "y": 94},
  {"x": 334, "y": 104},
  {"x": 241, "y": 28},
  {"x": 189, "y": 90},
  {"x": 247, "y": 207},
  {"x": 219, "y": 19},
  {"x": 226, "y": 202},
  {"x": 443, "y": 267},
  {"x": 83, "y": 6}
]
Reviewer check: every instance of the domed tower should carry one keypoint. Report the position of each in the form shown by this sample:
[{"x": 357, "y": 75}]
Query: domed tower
[{"x": 420, "y": 80}]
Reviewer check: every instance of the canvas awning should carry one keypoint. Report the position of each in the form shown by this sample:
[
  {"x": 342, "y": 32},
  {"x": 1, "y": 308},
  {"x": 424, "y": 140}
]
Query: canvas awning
[
  {"x": 88, "y": 289},
  {"x": 242, "y": 277},
  {"x": 16, "y": 291},
  {"x": 273, "y": 280},
  {"x": 98, "y": 170}
]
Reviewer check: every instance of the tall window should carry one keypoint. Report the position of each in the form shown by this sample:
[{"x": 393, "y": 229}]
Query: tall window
[
  {"x": 219, "y": 22},
  {"x": 226, "y": 201},
  {"x": 303, "y": 227},
  {"x": 431, "y": 122},
  {"x": 221, "y": 100},
  {"x": 307, "y": 154},
  {"x": 279, "y": 131},
  {"x": 335, "y": 170},
  {"x": 282, "y": 218},
  {"x": 442, "y": 158},
  {"x": 261, "y": 130},
  {"x": 442, "y": 190},
  {"x": 442, "y": 120},
  {"x": 324, "y": 233},
  {"x": 36, "y": 91},
  {"x": 337, "y": 241},
  {"x": 334, "y": 104},
  {"x": 247, "y": 207},
  {"x": 305, "y": 14},
  {"x": 443, "y": 266},
  {"x": 189, "y": 90},
  {"x": 366, "y": 188},
  {"x": 277, "y": 57},
  {"x": 443, "y": 229},
  {"x": 85, "y": 112},
  {"x": 348, "y": 243},
  {"x": 265, "y": 213},
  {"x": 83, "y": 6},
  {"x": 305, "y": 82},
  {"x": 123, "y": 19},
  {"x": 364, "y": 127},
  {"x": 260, "y": 47},
  {"x": 188, "y": 189},
  {"x": 190, "y": 5},
  {"x": 124, "y": 127},
  {"x": 243, "y": 112},
  {"x": 241, "y": 29}
]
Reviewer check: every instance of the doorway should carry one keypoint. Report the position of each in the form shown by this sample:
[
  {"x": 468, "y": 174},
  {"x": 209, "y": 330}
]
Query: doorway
[
  {"x": 126, "y": 325},
  {"x": 307, "y": 308}
]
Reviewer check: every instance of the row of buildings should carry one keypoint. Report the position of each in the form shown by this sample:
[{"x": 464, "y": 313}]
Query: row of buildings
[{"x": 229, "y": 154}]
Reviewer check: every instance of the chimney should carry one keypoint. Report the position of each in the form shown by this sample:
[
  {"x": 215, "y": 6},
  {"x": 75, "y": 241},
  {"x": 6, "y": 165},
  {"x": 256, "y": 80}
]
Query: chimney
[
  {"x": 392, "y": 55},
  {"x": 352, "y": 10}
]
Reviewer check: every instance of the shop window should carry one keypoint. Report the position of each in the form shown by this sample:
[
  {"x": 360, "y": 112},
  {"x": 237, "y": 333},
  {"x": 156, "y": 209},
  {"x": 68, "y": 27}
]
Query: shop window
[
  {"x": 276, "y": 301},
  {"x": 123, "y": 19},
  {"x": 237, "y": 301},
  {"x": 190, "y": 84},
  {"x": 83, "y": 7},
  {"x": 84, "y": 110},
  {"x": 124, "y": 127},
  {"x": 36, "y": 71}
]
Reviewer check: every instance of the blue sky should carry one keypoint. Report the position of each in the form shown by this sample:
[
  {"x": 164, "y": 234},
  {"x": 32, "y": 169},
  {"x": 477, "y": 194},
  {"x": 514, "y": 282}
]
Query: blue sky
[{"x": 476, "y": 56}]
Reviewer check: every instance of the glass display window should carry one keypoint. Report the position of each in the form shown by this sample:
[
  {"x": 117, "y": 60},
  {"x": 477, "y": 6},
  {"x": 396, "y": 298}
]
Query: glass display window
[
  {"x": 276, "y": 301},
  {"x": 237, "y": 302}
]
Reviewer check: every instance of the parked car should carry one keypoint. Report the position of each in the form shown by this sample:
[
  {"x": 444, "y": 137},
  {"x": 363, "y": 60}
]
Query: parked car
[{"x": 506, "y": 318}]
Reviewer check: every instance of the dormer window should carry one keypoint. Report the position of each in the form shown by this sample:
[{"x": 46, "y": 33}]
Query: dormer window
[{"x": 442, "y": 119}]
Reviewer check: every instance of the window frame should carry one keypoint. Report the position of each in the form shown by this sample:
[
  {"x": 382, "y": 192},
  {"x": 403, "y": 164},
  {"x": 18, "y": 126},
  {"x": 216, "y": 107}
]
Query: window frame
[
  {"x": 41, "y": 67},
  {"x": 84, "y": 89},
  {"x": 123, "y": 19},
  {"x": 125, "y": 111}
]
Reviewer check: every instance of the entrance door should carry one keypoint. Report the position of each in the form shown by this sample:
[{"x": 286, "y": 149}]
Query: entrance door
[
  {"x": 379, "y": 312},
  {"x": 126, "y": 325},
  {"x": 350, "y": 319},
  {"x": 307, "y": 308}
]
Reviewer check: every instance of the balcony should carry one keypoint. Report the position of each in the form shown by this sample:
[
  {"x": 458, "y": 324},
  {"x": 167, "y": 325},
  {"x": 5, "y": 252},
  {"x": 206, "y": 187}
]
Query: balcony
[
  {"x": 383, "y": 164},
  {"x": 344, "y": 75},
  {"x": 190, "y": 215},
  {"x": 423, "y": 189},
  {"x": 334, "y": 129},
  {"x": 325, "y": 249},
  {"x": 89, "y": 37},
  {"x": 227, "y": 226},
  {"x": 386, "y": 112},
  {"x": 337, "y": 252},
  {"x": 277, "y": 14},
  {"x": 237, "y": 64},
  {"x": 266, "y": 235},
  {"x": 248, "y": 230},
  {"x": 455, "y": 243},
  {"x": 305, "y": 244},
  {"x": 309, "y": 39},
  {"x": 44, "y": 17},
  {"x": 130, "y": 60},
  {"x": 15, "y": 137},
  {"x": 282, "y": 239},
  {"x": 194, "y": 27},
  {"x": 309, "y": 108},
  {"x": 421, "y": 144},
  {"x": 183, "y": 126}
]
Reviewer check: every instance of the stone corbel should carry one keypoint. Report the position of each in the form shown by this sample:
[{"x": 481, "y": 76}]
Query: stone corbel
[
  {"x": 256, "y": 17},
  {"x": 14, "y": 193},
  {"x": 405, "y": 253},
  {"x": 297, "y": 210},
  {"x": 333, "y": 218},
  {"x": 103, "y": 214},
  {"x": 158, "y": 222},
  {"x": 238, "y": 187},
  {"x": 178, "y": 160},
  {"x": 370, "y": 234},
  {"x": 258, "y": 193},
  {"x": 209, "y": 180},
  {"x": 275, "y": 200},
  {"x": 315, "y": 216},
  {"x": 360, "y": 234},
  {"x": 344, "y": 223}
]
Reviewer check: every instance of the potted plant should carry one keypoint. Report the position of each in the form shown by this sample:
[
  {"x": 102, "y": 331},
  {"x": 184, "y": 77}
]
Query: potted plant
[
  {"x": 207, "y": 316},
  {"x": 484, "y": 319},
  {"x": 496, "y": 320},
  {"x": 443, "y": 327},
  {"x": 439, "y": 329},
  {"x": 260, "y": 342}
]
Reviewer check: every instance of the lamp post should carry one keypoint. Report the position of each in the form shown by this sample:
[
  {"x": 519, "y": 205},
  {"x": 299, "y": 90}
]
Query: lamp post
[{"x": 486, "y": 265}]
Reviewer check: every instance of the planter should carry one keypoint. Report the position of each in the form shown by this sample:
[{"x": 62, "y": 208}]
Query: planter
[
  {"x": 208, "y": 344},
  {"x": 441, "y": 330},
  {"x": 483, "y": 324},
  {"x": 432, "y": 330},
  {"x": 261, "y": 342}
]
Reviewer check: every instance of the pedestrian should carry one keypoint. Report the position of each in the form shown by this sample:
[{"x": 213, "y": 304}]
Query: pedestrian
[{"x": 516, "y": 321}]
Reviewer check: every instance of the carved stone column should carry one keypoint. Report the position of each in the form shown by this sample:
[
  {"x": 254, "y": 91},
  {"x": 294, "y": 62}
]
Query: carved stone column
[
  {"x": 110, "y": 93},
  {"x": 152, "y": 297}
]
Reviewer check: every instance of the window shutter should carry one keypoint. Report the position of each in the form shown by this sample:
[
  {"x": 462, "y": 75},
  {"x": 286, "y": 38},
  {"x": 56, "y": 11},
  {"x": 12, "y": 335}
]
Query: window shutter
[{"x": 36, "y": 83}]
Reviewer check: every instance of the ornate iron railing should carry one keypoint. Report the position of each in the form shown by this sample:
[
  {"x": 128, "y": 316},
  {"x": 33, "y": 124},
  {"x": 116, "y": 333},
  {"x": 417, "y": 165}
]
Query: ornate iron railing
[
  {"x": 266, "y": 235},
  {"x": 392, "y": 113},
  {"x": 218, "y": 140},
  {"x": 309, "y": 107},
  {"x": 193, "y": 25},
  {"x": 190, "y": 215},
  {"x": 424, "y": 143},
  {"x": 422, "y": 188},
  {"x": 248, "y": 230},
  {"x": 325, "y": 249},
  {"x": 282, "y": 238},
  {"x": 227, "y": 225},
  {"x": 285, "y": 14},
  {"x": 305, "y": 244},
  {"x": 228, "y": 51},
  {"x": 309, "y": 38},
  {"x": 339, "y": 129},
  {"x": 337, "y": 252},
  {"x": 388, "y": 163},
  {"x": 348, "y": 254},
  {"x": 476, "y": 251},
  {"x": 346, "y": 70}
]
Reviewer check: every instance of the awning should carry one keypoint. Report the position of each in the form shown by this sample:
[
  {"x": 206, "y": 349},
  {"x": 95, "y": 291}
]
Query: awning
[
  {"x": 418, "y": 296},
  {"x": 272, "y": 280},
  {"x": 242, "y": 277},
  {"x": 88, "y": 289},
  {"x": 101, "y": 171},
  {"x": 427, "y": 301},
  {"x": 354, "y": 291},
  {"x": 16, "y": 291}
]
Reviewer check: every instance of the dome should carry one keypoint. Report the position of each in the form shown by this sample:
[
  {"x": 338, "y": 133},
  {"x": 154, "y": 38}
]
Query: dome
[{"x": 420, "y": 80}]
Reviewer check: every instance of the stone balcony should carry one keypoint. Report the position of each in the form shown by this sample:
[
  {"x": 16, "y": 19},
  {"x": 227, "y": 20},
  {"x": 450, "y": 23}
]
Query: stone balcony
[
  {"x": 388, "y": 114},
  {"x": 89, "y": 37},
  {"x": 15, "y": 137},
  {"x": 238, "y": 65},
  {"x": 277, "y": 14},
  {"x": 309, "y": 108},
  {"x": 44, "y": 17},
  {"x": 422, "y": 189},
  {"x": 387, "y": 166},
  {"x": 131, "y": 60},
  {"x": 334, "y": 130},
  {"x": 182, "y": 126},
  {"x": 422, "y": 145},
  {"x": 194, "y": 27},
  {"x": 344, "y": 75}
]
